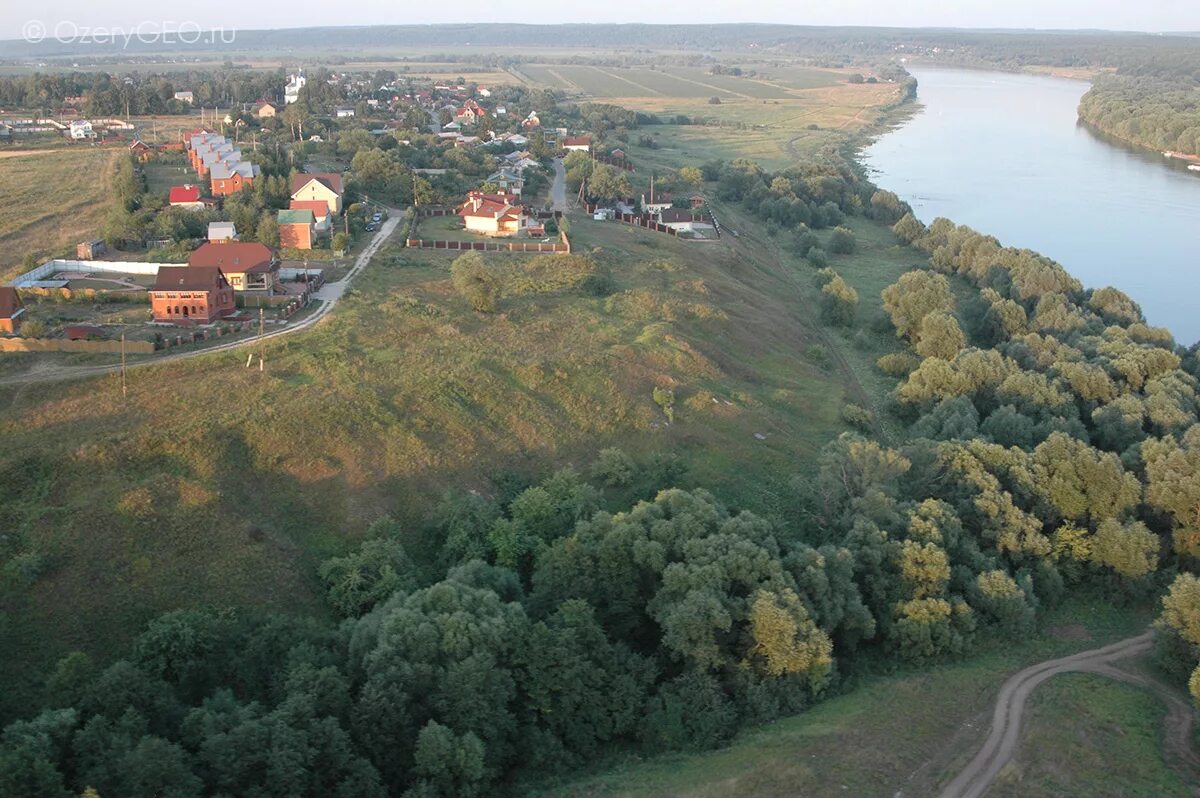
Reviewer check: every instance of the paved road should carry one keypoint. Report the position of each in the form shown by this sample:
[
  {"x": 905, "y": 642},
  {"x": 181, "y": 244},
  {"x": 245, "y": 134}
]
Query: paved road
[
  {"x": 558, "y": 190},
  {"x": 1002, "y": 741},
  {"x": 328, "y": 296}
]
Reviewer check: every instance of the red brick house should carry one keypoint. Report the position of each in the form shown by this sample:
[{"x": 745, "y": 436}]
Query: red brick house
[
  {"x": 246, "y": 265},
  {"x": 230, "y": 178},
  {"x": 191, "y": 295},
  {"x": 12, "y": 312},
  {"x": 296, "y": 229}
]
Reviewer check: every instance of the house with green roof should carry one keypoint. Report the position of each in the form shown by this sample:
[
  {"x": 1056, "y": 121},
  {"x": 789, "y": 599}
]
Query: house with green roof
[{"x": 297, "y": 229}]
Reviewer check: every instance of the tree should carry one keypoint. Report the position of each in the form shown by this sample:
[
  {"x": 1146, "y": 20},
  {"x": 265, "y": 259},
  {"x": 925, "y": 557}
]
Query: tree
[
  {"x": 614, "y": 468},
  {"x": 691, "y": 176},
  {"x": 909, "y": 228},
  {"x": 786, "y": 639},
  {"x": 478, "y": 284},
  {"x": 370, "y": 574},
  {"x": 267, "y": 230},
  {"x": 841, "y": 241},
  {"x": 839, "y": 302},
  {"x": 1173, "y": 485},
  {"x": 940, "y": 336},
  {"x": 913, "y": 297},
  {"x": 1129, "y": 549},
  {"x": 340, "y": 242}
]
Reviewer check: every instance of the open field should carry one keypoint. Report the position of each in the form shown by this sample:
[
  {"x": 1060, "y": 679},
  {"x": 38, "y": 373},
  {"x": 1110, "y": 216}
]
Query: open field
[
  {"x": 904, "y": 734},
  {"x": 54, "y": 200},
  {"x": 673, "y": 81}
]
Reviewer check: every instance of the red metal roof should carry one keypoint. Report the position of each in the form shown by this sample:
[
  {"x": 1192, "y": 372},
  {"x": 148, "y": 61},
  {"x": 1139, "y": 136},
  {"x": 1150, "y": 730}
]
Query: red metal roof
[{"x": 184, "y": 194}]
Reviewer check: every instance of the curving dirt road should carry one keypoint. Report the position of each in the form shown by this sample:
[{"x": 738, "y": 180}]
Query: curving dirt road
[
  {"x": 1002, "y": 741},
  {"x": 327, "y": 296}
]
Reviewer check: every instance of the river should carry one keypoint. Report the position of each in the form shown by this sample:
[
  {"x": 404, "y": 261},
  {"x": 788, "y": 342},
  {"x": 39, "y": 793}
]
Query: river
[{"x": 1005, "y": 154}]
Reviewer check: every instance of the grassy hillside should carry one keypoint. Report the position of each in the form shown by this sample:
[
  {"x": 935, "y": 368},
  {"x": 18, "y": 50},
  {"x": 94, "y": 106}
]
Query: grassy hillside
[
  {"x": 217, "y": 484},
  {"x": 904, "y": 734}
]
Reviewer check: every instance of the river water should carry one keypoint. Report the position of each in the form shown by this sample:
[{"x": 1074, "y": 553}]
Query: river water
[{"x": 1004, "y": 154}]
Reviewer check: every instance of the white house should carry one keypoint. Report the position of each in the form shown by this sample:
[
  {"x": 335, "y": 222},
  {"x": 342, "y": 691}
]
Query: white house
[
  {"x": 185, "y": 97},
  {"x": 222, "y": 231},
  {"x": 684, "y": 220},
  {"x": 81, "y": 129},
  {"x": 577, "y": 143},
  {"x": 343, "y": 113}
]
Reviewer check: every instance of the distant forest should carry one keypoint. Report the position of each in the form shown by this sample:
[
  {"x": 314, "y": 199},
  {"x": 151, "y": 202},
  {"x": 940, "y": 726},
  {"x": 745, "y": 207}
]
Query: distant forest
[{"x": 1154, "y": 103}]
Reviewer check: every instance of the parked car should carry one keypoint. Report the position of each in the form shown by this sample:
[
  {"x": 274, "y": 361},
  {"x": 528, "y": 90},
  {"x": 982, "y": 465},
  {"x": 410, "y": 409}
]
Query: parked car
[
  {"x": 371, "y": 228},
  {"x": 376, "y": 217}
]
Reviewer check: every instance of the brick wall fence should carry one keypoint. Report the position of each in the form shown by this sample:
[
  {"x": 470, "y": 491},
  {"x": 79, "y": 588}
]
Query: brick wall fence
[
  {"x": 641, "y": 221},
  {"x": 491, "y": 246}
]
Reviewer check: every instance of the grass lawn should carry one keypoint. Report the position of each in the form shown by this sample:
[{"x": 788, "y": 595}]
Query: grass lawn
[
  {"x": 55, "y": 199},
  {"x": 904, "y": 734},
  {"x": 1090, "y": 735}
]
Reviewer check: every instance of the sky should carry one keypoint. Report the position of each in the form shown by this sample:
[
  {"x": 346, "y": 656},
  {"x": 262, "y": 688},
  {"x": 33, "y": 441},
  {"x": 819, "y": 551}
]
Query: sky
[{"x": 17, "y": 16}]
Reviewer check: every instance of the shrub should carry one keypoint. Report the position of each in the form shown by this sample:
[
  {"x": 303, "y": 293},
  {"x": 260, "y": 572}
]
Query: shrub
[
  {"x": 475, "y": 282},
  {"x": 842, "y": 241},
  {"x": 614, "y": 468},
  {"x": 898, "y": 364},
  {"x": 817, "y": 257},
  {"x": 858, "y": 417}
]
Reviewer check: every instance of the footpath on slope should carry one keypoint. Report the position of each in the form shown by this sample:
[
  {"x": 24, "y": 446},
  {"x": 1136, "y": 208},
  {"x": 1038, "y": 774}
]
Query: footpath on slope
[
  {"x": 1003, "y": 739},
  {"x": 327, "y": 296}
]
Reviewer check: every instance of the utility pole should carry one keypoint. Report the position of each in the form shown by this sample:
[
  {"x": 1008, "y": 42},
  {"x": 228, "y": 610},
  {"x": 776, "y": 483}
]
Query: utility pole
[
  {"x": 261, "y": 330},
  {"x": 124, "y": 385}
]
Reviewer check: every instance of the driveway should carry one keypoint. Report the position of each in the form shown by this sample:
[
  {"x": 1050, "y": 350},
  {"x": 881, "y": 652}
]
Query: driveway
[{"x": 558, "y": 190}]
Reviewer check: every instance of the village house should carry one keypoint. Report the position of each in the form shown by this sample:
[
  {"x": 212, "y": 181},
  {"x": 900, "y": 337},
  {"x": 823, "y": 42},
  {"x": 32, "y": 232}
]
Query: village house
[
  {"x": 531, "y": 121},
  {"x": 190, "y": 295},
  {"x": 470, "y": 113},
  {"x": 296, "y": 229},
  {"x": 577, "y": 143},
  {"x": 507, "y": 181},
  {"x": 323, "y": 224},
  {"x": 343, "y": 113},
  {"x": 246, "y": 265},
  {"x": 658, "y": 202},
  {"x": 323, "y": 186},
  {"x": 230, "y": 178},
  {"x": 222, "y": 231},
  {"x": 81, "y": 129},
  {"x": 492, "y": 214},
  {"x": 186, "y": 196},
  {"x": 12, "y": 312},
  {"x": 684, "y": 220},
  {"x": 185, "y": 97},
  {"x": 140, "y": 150},
  {"x": 264, "y": 110}
]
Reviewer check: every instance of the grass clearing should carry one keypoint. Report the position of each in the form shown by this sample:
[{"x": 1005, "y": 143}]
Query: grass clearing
[
  {"x": 889, "y": 734},
  {"x": 1078, "y": 727},
  {"x": 55, "y": 199}
]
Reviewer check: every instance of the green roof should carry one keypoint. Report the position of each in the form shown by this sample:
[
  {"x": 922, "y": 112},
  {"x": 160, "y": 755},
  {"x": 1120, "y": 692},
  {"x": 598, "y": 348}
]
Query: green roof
[{"x": 297, "y": 217}]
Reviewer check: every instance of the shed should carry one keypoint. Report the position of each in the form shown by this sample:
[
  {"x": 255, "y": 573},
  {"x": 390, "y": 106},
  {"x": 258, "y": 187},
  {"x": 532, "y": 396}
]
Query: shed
[{"x": 90, "y": 250}]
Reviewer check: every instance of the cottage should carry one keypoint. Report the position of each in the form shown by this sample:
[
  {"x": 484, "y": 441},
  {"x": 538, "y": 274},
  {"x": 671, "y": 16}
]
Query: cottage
[
  {"x": 296, "y": 229},
  {"x": 343, "y": 113},
  {"x": 81, "y": 129},
  {"x": 470, "y": 113},
  {"x": 12, "y": 312},
  {"x": 324, "y": 222},
  {"x": 323, "y": 186},
  {"x": 658, "y": 202},
  {"x": 185, "y": 196},
  {"x": 140, "y": 150},
  {"x": 264, "y": 110},
  {"x": 684, "y": 220},
  {"x": 190, "y": 295},
  {"x": 247, "y": 266},
  {"x": 531, "y": 121},
  {"x": 222, "y": 231},
  {"x": 185, "y": 97},
  {"x": 507, "y": 181},
  {"x": 577, "y": 143},
  {"x": 492, "y": 214}
]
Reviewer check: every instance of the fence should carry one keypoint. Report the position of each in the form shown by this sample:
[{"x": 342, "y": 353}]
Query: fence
[
  {"x": 63, "y": 265},
  {"x": 491, "y": 246},
  {"x": 434, "y": 210},
  {"x": 64, "y": 345},
  {"x": 646, "y": 222},
  {"x": 620, "y": 163}
]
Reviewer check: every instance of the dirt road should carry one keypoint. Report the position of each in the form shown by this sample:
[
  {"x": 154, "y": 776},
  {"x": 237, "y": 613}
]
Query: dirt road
[
  {"x": 1002, "y": 741},
  {"x": 327, "y": 296}
]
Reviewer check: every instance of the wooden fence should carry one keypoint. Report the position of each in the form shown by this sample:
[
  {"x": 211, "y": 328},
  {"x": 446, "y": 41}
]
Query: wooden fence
[
  {"x": 644, "y": 221},
  {"x": 620, "y": 163},
  {"x": 64, "y": 345}
]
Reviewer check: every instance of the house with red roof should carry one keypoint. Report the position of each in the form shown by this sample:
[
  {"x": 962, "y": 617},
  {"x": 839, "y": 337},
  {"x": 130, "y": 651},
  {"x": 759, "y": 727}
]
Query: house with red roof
[
  {"x": 248, "y": 266},
  {"x": 191, "y": 295},
  {"x": 186, "y": 196},
  {"x": 492, "y": 214},
  {"x": 323, "y": 220},
  {"x": 577, "y": 143},
  {"x": 319, "y": 186},
  {"x": 470, "y": 113},
  {"x": 12, "y": 311}
]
